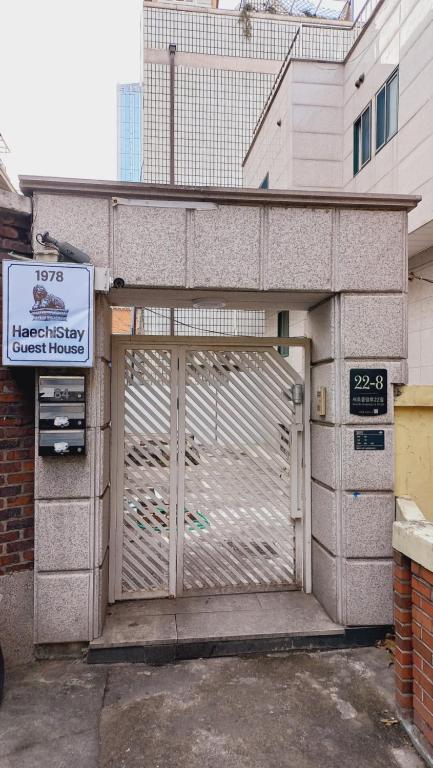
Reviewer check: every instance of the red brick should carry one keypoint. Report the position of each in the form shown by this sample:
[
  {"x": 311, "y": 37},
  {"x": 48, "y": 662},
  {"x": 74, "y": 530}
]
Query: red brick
[
  {"x": 419, "y": 722},
  {"x": 404, "y": 686},
  {"x": 417, "y": 690},
  {"x": 403, "y": 617},
  {"x": 9, "y": 536},
  {"x": 415, "y": 568},
  {"x": 427, "y": 669},
  {"x": 426, "y": 575},
  {"x": 19, "y": 546},
  {"x": 404, "y": 658},
  {"x": 403, "y": 602},
  {"x": 21, "y": 567},
  {"x": 427, "y": 701},
  {"x": 21, "y": 501},
  {"x": 402, "y": 587},
  {"x": 8, "y": 559},
  {"x": 10, "y": 466},
  {"x": 28, "y": 555},
  {"x": 427, "y": 637},
  {"x": 425, "y": 682},
  {"x": 401, "y": 573},
  {"x": 403, "y": 630},
  {"x": 422, "y": 650},
  {"x": 10, "y": 490},
  {"x": 422, "y": 711},
  {"x": 18, "y": 455},
  {"x": 404, "y": 673},
  {"x": 422, "y": 618},
  {"x": 20, "y": 524},
  {"x": 404, "y": 700},
  {"x": 416, "y": 630},
  {"x": 401, "y": 559},
  {"x": 403, "y": 643},
  {"x": 16, "y": 245},
  {"x": 21, "y": 477},
  {"x": 427, "y": 607},
  {"x": 421, "y": 587},
  {"x": 8, "y": 231}
]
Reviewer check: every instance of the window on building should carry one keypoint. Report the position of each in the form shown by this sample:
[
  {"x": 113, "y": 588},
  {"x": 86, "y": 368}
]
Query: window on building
[
  {"x": 283, "y": 331},
  {"x": 362, "y": 140},
  {"x": 387, "y": 111},
  {"x": 265, "y": 182}
]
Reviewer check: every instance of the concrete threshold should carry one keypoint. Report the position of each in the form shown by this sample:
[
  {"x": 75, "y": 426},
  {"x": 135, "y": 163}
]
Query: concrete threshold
[{"x": 162, "y": 631}]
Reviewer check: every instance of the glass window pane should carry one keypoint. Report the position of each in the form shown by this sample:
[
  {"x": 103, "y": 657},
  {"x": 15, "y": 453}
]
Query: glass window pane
[
  {"x": 356, "y": 144},
  {"x": 265, "y": 182},
  {"x": 380, "y": 118},
  {"x": 366, "y": 139},
  {"x": 283, "y": 330},
  {"x": 392, "y": 107}
]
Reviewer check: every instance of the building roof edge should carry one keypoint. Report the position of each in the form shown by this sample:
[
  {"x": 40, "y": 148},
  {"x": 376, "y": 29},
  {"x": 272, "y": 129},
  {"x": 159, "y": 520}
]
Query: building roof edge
[{"x": 226, "y": 195}]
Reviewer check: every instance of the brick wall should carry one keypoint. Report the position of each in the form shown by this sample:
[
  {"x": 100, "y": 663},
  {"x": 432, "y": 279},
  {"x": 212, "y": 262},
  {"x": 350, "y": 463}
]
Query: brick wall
[
  {"x": 16, "y": 431},
  {"x": 413, "y": 662}
]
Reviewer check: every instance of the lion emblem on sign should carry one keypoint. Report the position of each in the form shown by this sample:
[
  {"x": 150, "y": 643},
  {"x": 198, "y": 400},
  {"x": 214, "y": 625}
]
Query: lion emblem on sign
[{"x": 47, "y": 306}]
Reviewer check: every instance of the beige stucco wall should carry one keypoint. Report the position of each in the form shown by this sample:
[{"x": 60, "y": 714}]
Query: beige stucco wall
[{"x": 414, "y": 446}]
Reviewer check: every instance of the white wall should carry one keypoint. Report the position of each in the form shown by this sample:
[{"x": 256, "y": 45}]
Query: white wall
[
  {"x": 306, "y": 150},
  {"x": 318, "y": 104},
  {"x": 421, "y": 320},
  {"x": 401, "y": 35}
]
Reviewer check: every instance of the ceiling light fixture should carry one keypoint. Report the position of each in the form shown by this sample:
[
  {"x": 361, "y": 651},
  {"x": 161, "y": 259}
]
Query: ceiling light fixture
[{"x": 208, "y": 303}]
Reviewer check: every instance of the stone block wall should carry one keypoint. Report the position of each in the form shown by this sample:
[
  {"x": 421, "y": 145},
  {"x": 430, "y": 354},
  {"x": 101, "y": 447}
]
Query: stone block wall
[
  {"x": 72, "y": 500},
  {"x": 352, "y": 491}
]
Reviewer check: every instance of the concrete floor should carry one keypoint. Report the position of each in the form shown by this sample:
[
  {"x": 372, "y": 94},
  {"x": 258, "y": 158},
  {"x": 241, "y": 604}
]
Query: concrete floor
[
  {"x": 302, "y": 710},
  {"x": 212, "y": 618}
]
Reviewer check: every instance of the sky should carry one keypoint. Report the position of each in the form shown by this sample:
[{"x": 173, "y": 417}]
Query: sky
[{"x": 60, "y": 62}]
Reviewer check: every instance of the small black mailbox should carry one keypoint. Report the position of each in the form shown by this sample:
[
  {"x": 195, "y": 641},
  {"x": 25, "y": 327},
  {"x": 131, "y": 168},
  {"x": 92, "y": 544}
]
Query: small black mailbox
[{"x": 62, "y": 416}]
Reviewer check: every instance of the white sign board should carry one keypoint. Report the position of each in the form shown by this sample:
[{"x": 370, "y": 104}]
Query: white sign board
[{"x": 47, "y": 314}]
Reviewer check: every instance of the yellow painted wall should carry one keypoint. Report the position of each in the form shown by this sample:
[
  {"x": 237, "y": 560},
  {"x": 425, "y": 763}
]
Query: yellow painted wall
[{"x": 414, "y": 446}]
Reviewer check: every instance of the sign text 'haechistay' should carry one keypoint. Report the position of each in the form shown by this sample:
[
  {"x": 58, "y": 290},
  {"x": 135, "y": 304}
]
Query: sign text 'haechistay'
[{"x": 47, "y": 314}]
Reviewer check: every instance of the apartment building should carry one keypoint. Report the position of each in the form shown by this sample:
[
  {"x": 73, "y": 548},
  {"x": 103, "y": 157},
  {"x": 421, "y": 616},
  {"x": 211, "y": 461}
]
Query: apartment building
[
  {"x": 213, "y": 84},
  {"x": 363, "y": 124}
]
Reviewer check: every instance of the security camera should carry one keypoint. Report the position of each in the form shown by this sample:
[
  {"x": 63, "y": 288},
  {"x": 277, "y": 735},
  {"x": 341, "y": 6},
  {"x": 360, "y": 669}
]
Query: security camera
[
  {"x": 67, "y": 251},
  {"x": 118, "y": 282}
]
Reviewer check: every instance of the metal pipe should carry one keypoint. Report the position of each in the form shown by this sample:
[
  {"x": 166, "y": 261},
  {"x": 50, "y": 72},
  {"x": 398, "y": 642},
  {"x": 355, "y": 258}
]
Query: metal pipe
[{"x": 172, "y": 52}]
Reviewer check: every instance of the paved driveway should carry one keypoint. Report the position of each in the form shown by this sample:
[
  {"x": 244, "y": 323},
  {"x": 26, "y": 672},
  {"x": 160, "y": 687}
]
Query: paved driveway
[{"x": 296, "y": 710}]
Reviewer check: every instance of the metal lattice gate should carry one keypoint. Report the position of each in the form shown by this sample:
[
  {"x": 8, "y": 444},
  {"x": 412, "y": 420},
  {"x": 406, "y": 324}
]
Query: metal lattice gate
[{"x": 207, "y": 491}]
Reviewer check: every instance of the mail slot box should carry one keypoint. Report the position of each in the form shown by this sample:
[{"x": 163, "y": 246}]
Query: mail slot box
[
  {"x": 61, "y": 389},
  {"x": 70, "y": 442},
  {"x": 62, "y": 416}
]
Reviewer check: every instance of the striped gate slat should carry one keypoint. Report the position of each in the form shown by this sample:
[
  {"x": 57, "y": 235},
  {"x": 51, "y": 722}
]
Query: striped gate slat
[
  {"x": 238, "y": 426},
  {"x": 146, "y": 472}
]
